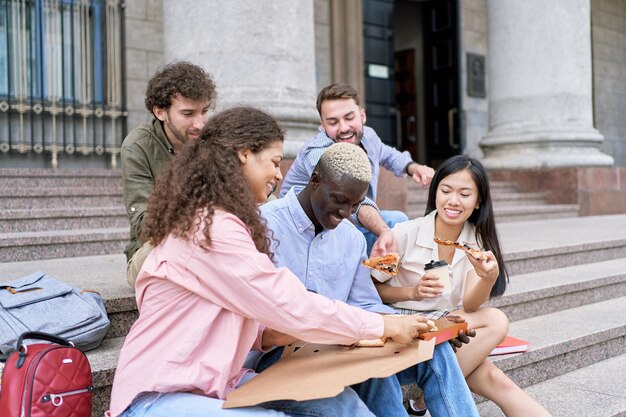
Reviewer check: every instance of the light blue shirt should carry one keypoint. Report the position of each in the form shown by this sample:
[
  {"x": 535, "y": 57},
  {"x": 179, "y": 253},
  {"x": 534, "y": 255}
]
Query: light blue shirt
[
  {"x": 328, "y": 263},
  {"x": 378, "y": 154}
]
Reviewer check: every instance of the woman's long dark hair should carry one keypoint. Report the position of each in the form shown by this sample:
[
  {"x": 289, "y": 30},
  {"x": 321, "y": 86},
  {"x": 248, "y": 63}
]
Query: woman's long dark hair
[
  {"x": 206, "y": 175},
  {"x": 482, "y": 217}
]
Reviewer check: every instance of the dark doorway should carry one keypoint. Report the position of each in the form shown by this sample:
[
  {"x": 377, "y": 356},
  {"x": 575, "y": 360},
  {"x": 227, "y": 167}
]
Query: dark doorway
[
  {"x": 412, "y": 75},
  {"x": 441, "y": 76},
  {"x": 380, "y": 100},
  {"x": 406, "y": 100}
]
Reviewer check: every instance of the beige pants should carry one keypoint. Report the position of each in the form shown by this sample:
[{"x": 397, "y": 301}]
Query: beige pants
[{"x": 134, "y": 265}]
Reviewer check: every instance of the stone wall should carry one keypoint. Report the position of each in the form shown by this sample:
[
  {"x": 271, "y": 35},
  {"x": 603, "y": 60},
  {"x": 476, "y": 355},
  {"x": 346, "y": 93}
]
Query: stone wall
[
  {"x": 323, "y": 58},
  {"x": 143, "y": 54},
  {"x": 473, "y": 24},
  {"x": 597, "y": 190},
  {"x": 608, "y": 33}
]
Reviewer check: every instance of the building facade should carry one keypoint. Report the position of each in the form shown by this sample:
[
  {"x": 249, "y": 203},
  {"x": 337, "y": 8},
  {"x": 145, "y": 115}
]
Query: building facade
[{"x": 525, "y": 85}]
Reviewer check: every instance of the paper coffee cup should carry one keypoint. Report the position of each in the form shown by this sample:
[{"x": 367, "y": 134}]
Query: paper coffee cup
[{"x": 442, "y": 271}]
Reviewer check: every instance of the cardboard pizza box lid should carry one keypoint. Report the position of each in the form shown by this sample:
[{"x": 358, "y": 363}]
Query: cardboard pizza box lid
[{"x": 310, "y": 371}]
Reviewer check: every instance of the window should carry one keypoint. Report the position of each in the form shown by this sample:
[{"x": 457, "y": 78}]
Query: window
[{"x": 60, "y": 68}]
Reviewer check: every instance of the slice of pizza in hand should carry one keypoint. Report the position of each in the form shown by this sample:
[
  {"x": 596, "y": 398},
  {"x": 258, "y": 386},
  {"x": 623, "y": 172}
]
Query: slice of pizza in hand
[
  {"x": 475, "y": 253},
  {"x": 380, "y": 342},
  {"x": 387, "y": 264},
  {"x": 446, "y": 242}
]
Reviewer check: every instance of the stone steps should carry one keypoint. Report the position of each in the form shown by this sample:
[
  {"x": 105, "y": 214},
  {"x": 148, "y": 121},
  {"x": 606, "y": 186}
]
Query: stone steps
[
  {"x": 572, "y": 315},
  {"x": 503, "y": 186},
  {"x": 509, "y": 204},
  {"x": 103, "y": 362},
  {"x": 57, "y": 197},
  {"x": 540, "y": 245},
  {"x": 544, "y": 292},
  {"x": 420, "y": 197},
  {"x": 61, "y": 243},
  {"x": 528, "y": 295},
  {"x": 566, "y": 340},
  {"x": 515, "y": 213},
  {"x": 33, "y": 220},
  {"x": 61, "y": 213},
  {"x": 63, "y": 178},
  {"x": 595, "y": 390},
  {"x": 562, "y": 270}
]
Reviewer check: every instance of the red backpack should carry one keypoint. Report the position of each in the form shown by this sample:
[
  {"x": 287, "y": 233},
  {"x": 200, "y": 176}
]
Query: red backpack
[{"x": 46, "y": 380}]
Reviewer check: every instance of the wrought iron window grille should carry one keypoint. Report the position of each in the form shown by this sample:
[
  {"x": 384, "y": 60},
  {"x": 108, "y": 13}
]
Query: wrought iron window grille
[{"x": 61, "y": 77}]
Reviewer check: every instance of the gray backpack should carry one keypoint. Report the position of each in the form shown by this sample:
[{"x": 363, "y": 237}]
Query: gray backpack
[{"x": 40, "y": 303}]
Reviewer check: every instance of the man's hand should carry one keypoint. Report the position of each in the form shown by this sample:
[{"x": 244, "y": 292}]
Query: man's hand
[
  {"x": 464, "y": 336},
  {"x": 386, "y": 243},
  {"x": 273, "y": 337},
  {"x": 421, "y": 174}
]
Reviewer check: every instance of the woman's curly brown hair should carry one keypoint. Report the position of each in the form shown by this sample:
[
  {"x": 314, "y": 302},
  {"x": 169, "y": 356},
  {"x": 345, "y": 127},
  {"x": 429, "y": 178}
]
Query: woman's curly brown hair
[{"x": 206, "y": 175}]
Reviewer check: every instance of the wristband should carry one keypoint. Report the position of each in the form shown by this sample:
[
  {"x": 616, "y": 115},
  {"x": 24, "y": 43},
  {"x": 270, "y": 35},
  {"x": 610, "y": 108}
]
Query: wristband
[{"x": 407, "y": 168}]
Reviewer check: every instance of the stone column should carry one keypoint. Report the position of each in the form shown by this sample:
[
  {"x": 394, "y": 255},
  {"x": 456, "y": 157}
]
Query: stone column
[
  {"x": 540, "y": 86},
  {"x": 260, "y": 53}
]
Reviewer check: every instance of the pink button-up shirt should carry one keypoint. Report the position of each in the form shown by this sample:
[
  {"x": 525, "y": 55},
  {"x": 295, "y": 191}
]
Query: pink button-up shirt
[{"x": 200, "y": 313}]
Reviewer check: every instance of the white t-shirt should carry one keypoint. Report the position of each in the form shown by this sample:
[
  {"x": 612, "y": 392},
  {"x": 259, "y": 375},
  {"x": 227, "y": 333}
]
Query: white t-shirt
[{"x": 417, "y": 248}]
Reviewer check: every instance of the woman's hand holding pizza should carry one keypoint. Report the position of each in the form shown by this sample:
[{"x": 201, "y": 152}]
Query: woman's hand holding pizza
[
  {"x": 428, "y": 286},
  {"x": 486, "y": 268}
]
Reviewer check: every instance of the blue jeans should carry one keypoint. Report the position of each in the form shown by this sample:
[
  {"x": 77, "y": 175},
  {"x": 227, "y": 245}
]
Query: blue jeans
[
  {"x": 391, "y": 218},
  {"x": 186, "y": 404},
  {"x": 445, "y": 391}
]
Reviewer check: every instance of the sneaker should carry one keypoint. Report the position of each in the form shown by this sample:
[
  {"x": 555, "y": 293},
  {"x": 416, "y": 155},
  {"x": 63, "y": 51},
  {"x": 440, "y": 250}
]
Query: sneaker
[{"x": 414, "y": 410}]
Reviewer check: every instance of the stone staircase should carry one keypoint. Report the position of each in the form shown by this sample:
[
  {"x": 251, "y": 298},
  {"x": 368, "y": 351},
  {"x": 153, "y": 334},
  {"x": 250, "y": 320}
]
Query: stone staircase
[
  {"x": 65, "y": 213},
  {"x": 567, "y": 294},
  {"x": 509, "y": 203}
]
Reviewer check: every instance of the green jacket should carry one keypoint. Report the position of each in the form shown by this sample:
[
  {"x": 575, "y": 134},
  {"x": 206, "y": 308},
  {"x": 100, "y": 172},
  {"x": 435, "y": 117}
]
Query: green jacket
[{"x": 144, "y": 153}]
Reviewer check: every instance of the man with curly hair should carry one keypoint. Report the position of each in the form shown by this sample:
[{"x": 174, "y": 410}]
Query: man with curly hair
[{"x": 179, "y": 96}]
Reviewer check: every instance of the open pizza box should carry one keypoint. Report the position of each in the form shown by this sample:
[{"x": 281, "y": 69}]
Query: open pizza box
[{"x": 308, "y": 371}]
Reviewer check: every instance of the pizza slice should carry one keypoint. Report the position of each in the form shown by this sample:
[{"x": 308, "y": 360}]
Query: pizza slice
[
  {"x": 445, "y": 242},
  {"x": 475, "y": 253},
  {"x": 432, "y": 327},
  {"x": 380, "y": 342},
  {"x": 387, "y": 264}
]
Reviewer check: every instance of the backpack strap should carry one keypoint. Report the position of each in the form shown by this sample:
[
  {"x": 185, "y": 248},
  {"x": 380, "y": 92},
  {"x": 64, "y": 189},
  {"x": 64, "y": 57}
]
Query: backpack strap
[
  {"x": 23, "y": 350},
  {"x": 41, "y": 336}
]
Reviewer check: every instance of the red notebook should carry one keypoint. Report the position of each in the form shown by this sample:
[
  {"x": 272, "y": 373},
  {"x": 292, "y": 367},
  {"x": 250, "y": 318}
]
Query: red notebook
[{"x": 510, "y": 345}]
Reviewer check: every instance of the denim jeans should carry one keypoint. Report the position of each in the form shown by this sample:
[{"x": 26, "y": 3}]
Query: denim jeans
[
  {"x": 391, "y": 218},
  {"x": 186, "y": 404},
  {"x": 445, "y": 391}
]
